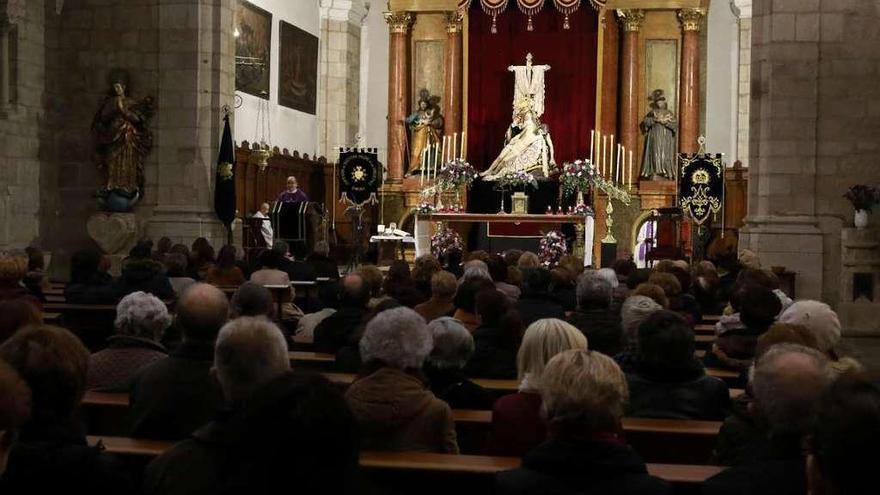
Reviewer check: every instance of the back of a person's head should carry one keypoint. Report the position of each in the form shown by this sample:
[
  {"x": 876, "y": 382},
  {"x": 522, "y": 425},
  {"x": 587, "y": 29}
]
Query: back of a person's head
[
  {"x": 175, "y": 264},
  {"x": 663, "y": 266},
  {"x": 759, "y": 306},
  {"x": 536, "y": 280},
  {"x": 252, "y": 299},
  {"x": 142, "y": 315},
  {"x": 818, "y": 318},
  {"x": 13, "y": 268},
  {"x": 666, "y": 343},
  {"x": 844, "y": 440},
  {"x": 373, "y": 278},
  {"x": 786, "y": 382},
  {"x": 479, "y": 254},
  {"x": 15, "y": 406},
  {"x": 497, "y": 268},
  {"x": 83, "y": 265},
  {"x": 425, "y": 267},
  {"x": 609, "y": 275},
  {"x": 528, "y": 260},
  {"x": 475, "y": 269},
  {"x": 54, "y": 364},
  {"x": 299, "y": 250},
  {"x": 511, "y": 256},
  {"x": 491, "y": 305},
  {"x": 635, "y": 310},
  {"x": 201, "y": 311},
  {"x": 164, "y": 245},
  {"x": 17, "y": 314},
  {"x": 249, "y": 352},
  {"x": 226, "y": 256},
  {"x": 281, "y": 247},
  {"x": 684, "y": 278},
  {"x": 593, "y": 291},
  {"x": 296, "y": 426},
  {"x": 443, "y": 285},
  {"x": 180, "y": 249},
  {"x": 271, "y": 259},
  {"x": 542, "y": 340},
  {"x": 399, "y": 271},
  {"x": 321, "y": 248},
  {"x": 637, "y": 277},
  {"x": 354, "y": 291},
  {"x": 666, "y": 281},
  {"x": 453, "y": 344},
  {"x": 624, "y": 267},
  {"x": 398, "y": 338},
  {"x": 583, "y": 392},
  {"x": 142, "y": 250},
  {"x": 653, "y": 291},
  {"x": 785, "y": 333},
  {"x": 453, "y": 257},
  {"x": 561, "y": 278},
  {"x": 466, "y": 295},
  {"x": 36, "y": 259},
  {"x": 758, "y": 276}
]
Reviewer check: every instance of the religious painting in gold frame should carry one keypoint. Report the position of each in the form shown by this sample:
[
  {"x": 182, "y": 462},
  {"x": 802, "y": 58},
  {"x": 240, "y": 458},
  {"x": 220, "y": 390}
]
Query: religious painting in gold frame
[
  {"x": 298, "y": 69},
  {"x": 253, "y": 42}
]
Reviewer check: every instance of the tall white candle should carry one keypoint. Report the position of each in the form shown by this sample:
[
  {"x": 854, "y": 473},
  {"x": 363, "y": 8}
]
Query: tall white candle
[
  {"x": 602, "y": 153},
  {"x": 463, "y": 144},
  {"x": 630, "y": 168},
  {"x": 617, "y": 175},
  {"x": 422, "y": 170},
  {"x": 454, "y": 145},
  {"x": 592, "y": 142}
]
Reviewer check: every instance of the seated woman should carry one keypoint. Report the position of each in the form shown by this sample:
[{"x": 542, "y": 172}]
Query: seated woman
[
  {"x": 517, "y": 426},
  {"x": 12, "y": 271},
  {"x": 584, "y": 394},
  {"x": 668, "y": 381},
  {"x": 734, "y": 346},
  {"x": 527, "y": 146},
  {"x": 140, "y": 320},
  {"x": 453, "y": 346},
  {"x": 89, "y": 284},
  {"x": 225, "y": 273},
  {"x": 392, "y": 404},
  {"x": 496, "y": 339}
]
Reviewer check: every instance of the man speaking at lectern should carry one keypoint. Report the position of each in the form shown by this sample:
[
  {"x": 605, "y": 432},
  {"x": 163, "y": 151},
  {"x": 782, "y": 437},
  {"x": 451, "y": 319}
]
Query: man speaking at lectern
[{"x": 293, "y": 193}]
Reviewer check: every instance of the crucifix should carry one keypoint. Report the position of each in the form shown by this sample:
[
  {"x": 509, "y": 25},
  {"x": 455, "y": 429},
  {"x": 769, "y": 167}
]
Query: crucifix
[{"x": 528, "y": 83}]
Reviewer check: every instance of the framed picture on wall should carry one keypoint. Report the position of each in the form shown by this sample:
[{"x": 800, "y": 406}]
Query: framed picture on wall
[
  {"x": 298, "y": 69},
  {"x": 253, "y": 42}
]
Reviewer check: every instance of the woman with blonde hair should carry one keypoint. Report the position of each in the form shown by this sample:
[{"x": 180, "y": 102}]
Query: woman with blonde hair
[{"x": 517, "y": 426}]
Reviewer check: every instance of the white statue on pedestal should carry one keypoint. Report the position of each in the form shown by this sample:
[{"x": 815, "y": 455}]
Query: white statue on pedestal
[{"x": 527, "y": 143}]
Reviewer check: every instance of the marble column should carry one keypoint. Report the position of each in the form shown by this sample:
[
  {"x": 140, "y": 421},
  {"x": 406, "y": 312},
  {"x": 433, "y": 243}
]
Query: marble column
[
  {"x": 689, "y": 79},
  {"x": 398, "y": 91},
  {"x": 631, "y": 21},
  {"x": 452, "y": 100}
]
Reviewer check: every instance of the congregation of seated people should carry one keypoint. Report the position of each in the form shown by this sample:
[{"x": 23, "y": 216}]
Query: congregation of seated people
[{"x": 200, "y": 346}]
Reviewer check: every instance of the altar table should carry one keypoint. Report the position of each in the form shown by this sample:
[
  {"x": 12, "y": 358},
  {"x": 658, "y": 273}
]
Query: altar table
[{"x": 423, "y": 226}]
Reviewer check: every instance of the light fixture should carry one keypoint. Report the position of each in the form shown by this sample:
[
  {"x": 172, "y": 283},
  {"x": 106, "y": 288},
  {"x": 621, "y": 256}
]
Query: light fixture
[{"x": 263, "y": 135}]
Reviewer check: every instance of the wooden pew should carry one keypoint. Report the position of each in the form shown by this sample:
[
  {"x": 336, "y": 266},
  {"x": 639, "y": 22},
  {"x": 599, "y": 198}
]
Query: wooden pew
[
  {"x": 710, "y": 319},
  {"x": 430, "y": 471},
  {"x": 704, "y": 329},
  {"x": 92, "y": 323}
]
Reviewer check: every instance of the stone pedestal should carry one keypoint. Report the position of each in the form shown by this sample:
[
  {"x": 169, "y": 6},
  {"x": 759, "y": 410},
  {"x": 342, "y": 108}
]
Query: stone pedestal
[
  {"x": 114, "y": 233},
  {"x": 859, "y": 282}
]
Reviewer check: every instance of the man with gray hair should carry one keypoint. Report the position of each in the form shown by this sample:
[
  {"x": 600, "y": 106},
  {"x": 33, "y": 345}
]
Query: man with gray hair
[
  {"x": 594, "y": 315},
  {"x": 453, "y": 347},
  {"x": 140, "y": 320},
  {"x": 787, "y": 382},
  {"x": 321, "y": 262},
  {"x": 252, "y": 299},
  {"x": 249, "y": 352}
]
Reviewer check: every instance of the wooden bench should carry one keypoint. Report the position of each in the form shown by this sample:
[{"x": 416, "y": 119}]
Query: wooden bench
[
  {"x": 431, "y": 472},
  {"x": 710, "y": 319},
  {"x": 704, "y": 329}
]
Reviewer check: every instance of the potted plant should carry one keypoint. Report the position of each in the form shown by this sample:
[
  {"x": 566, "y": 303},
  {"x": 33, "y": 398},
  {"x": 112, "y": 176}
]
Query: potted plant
[{"x": 862, "y": 198}]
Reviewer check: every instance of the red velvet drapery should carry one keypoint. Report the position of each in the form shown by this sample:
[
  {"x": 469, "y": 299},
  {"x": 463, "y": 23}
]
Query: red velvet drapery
[{"x": 570, "y": 85}]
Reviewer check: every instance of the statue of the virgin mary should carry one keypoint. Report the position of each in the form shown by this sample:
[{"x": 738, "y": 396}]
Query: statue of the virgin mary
[{"x": 527, "y": 145}]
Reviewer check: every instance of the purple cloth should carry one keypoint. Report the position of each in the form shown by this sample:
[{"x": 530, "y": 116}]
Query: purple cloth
[{"x": 288, "y": 196}]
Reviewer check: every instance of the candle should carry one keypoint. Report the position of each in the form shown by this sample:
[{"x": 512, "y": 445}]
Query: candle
[
  {"x": 436, "y": 157},
  {"x": 463, "y": 144},
  {"x": 617, "y": 175},
  {"x": 454, "y": 145},
  {"x": 630, "y": 168},
  {"x": 422, "y": 170},
  {"x": 592, "y": 142},
  {"x": 602, "y": 153}
]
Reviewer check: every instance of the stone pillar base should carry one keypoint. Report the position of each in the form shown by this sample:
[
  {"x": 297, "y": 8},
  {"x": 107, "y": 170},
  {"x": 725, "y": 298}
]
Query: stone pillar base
[{"x": 794, "y": 242}]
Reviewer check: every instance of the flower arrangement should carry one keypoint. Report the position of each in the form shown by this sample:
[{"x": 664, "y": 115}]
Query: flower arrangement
[
  {"x": 582, "y": 210},
  {"x": 577, "y": 176},
  {"x": 862, "y": 197},
  {"x": 443, "y": 241},
  {"x": 552, "y": 248},
  {"x": 520, "y": 178},
  {"x": 456, "y": 173},
  {"x": 425, "y": 208}
]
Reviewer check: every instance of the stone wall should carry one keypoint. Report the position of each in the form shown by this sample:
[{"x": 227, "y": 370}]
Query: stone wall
[
  {"x": 22, "y": 22},
  {"x": 813, "y": 131}
]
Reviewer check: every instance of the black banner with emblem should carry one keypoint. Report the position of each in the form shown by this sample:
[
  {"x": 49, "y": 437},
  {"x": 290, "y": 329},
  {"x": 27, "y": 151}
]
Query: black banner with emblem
[
  {"x": 359, "y": 175},
  {"x": 224, "y": 185},
  {"x": 701, "y": 185}
]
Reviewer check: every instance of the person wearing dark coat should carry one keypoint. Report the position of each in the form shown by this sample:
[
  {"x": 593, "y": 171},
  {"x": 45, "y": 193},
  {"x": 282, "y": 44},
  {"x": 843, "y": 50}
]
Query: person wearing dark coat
[
  {"x": 175, "y": 395},
  {"x": 321, "y": 262},
  {"x": 296, "y": 270},
  {"x": 583, "y": 393},
  {"x": 335, "y": 331},
  {"x": 668, "y": 381},
  {"x": 594, "y": 318},
  {"x": 50, "y": 453},
  {"x": 787, "y": 383},
  {"x": 536, "y": 301},
  {"x": 496, "y": 339},
  {"x": 453, "y": 347},
  {"x": 88, "y": 284},
  {"x": 140, "y": 272}
]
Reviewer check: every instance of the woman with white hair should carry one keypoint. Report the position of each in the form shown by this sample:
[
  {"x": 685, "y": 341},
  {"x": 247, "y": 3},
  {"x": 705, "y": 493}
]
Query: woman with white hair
[
  {"x": 140, "y": 320},
  {"x": 635, "y": 310},
  {"x": 453, "y": 347},
  {"x": 584, "y": 395},
  {"x": 392, "y": 404},
  {"x": 822, "y": 322},
  {"x": 516, "y": 421}
]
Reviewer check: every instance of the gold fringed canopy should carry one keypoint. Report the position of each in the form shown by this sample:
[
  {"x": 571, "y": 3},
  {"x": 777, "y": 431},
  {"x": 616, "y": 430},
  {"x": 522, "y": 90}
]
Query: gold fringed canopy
[{"x": 495, "y": 8}]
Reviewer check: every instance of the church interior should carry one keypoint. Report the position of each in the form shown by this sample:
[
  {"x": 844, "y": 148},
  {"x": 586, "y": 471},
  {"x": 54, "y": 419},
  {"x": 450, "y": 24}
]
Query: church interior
[{"x": 301, "y": 155}]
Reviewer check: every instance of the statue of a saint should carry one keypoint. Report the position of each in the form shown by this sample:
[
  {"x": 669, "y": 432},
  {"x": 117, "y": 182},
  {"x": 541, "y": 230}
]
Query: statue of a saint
[
  {"x": 527, "y": 145},
  {"x": 659, "y": 127},
  {"x": 122, "y": 142},
  {"x": 425, "y": 126}
]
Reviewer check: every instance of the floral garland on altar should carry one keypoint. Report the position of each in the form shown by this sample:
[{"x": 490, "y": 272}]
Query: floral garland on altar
[
  {"x": 443, "y": 241},
  {"x": 552, "y": 248},
  {"x": 577, "y": 176},
  {"x": 520, "y": 178},
  {"x": 456, "y": 173}
]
